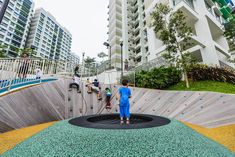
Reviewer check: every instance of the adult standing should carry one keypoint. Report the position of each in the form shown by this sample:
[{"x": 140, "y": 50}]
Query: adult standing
[{"x": 24, "y": 66}]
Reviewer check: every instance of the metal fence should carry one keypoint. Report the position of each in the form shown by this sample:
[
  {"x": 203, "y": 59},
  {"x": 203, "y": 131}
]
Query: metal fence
[{"x": 22, "y": 71}]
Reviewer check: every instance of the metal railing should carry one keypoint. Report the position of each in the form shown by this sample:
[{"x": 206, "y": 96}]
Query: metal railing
[
  {"x": 17, "y": 72},
  {"x": 157, "y": 62}
]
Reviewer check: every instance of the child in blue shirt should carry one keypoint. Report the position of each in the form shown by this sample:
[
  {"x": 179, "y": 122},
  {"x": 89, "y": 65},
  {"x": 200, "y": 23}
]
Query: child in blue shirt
[{"x": 123, "y": 97}]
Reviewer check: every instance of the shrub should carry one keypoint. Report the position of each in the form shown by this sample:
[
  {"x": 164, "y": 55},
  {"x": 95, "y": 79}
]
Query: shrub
[
  {"x": 130, "y": 77},
  {"x": 201, "y": 72},
  {"x": 158, "y": 78}
]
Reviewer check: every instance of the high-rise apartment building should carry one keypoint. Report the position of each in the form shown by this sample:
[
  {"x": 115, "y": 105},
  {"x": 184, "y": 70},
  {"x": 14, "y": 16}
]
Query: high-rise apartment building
[
  {"x": 73, "y": 59},
  {"x": 134, "y": 32},
  {"x": 142, "y": 45},
  {"x": 115, "y": 31},
  {"x": 48, "y": 38},
  {"x": 14, "y": 27}
]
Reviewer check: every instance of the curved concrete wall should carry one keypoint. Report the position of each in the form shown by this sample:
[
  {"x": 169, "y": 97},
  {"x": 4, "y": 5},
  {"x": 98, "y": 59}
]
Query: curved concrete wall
[{"x": 52, "y": 101}]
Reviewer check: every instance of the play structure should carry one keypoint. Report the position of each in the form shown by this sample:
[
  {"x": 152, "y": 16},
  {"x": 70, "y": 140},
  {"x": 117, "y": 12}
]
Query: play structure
[
  {"x": 159, "y": 124},
  {"x": 53, "y": 101},
  {"x": 76, "y": 123}
]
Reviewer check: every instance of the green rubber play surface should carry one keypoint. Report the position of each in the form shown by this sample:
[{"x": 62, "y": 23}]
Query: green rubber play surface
[{"x": 65, "y": 140}]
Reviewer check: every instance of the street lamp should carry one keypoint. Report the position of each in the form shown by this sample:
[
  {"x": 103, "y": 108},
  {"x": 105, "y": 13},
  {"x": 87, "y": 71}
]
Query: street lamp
[
  {"x": 110, "y": 49},
  {"x": 121, "y": 44},
  {"x": 83, "y": 68}
]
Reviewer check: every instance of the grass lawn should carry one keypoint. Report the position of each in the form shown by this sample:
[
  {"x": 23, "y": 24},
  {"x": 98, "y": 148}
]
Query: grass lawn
[{"x": 206, "y": 86}]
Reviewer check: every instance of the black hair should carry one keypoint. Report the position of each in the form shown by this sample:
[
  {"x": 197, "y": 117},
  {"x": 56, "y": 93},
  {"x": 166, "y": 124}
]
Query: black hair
[
  {"x": 95, "y": 80},
  {"x": 107, "y": 88},
  {"x": 124, "y": 82},
  {"x": 76, "y": 75},
  {"x": 25, "y": 54}
]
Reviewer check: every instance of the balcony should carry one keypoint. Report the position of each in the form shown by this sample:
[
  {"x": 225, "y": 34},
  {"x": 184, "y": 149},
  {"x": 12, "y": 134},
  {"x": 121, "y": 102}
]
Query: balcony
[
  {"x": 188, "y": 2},
  {"x": 187, "y": 7}
]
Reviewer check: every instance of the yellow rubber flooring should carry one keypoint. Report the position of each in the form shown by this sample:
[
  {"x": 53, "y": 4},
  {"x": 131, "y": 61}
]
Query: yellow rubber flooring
[
  {"x": 10, "y": 139},
  {"x": 224, "y": 135}
]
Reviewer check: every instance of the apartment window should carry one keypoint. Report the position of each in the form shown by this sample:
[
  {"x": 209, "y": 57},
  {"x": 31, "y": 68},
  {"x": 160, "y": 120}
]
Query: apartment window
[
  {"x": 217, "y": 17},
  {"x": 11, "y": 4},
  {"x": 138, "y": 51},
  {"x": 3, "y": 30},
  {"x": 209, "y": 8},
  {"x": 4, "y": 24},
  {"x": 38, "y": 35},
  {"x": 39, "y": 31},
  {"x": 8, "y": 14},
  {"x": 8, "y": 40},
  {"x": 37, "y": 39},
  {"x": 11, "y": 29},
  {"x": 42, "y": 15},
  {"x": 36, "y": 44},
  {"x": 14, "y": 19},
  {"x": 139, "y": 59}
]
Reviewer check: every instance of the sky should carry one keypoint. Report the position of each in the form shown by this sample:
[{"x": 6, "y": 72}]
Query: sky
[{"x": 85, "y": 19}]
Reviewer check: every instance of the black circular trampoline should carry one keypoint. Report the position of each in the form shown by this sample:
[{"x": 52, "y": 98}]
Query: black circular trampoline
[{"x": 112, "y": 121}]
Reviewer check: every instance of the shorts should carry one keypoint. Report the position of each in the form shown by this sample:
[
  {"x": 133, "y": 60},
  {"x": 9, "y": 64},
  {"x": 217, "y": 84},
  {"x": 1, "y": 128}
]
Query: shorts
[
  {"x": 125, "y": 111},
  {"x": 95, "y": 89}
]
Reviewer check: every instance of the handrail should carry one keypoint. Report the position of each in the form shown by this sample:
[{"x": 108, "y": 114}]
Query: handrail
[{"x": 17, "y": 71}]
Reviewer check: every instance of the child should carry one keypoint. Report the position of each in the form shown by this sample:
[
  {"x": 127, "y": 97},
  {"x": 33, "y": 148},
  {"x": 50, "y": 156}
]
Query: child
[
  {"x": 108, "y": 97},
  {"x": 76, "y": 80},
  {"x": 123, "y": 97},
  {"x": 95, "y": 86},
  {"x": 39, "y": 73}
]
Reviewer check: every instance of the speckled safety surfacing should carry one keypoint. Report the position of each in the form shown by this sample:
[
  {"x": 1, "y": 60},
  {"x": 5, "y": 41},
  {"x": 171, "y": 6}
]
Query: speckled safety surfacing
[
  {"x": 10, "y": 139},
  {"x": 172, "y": 140}
]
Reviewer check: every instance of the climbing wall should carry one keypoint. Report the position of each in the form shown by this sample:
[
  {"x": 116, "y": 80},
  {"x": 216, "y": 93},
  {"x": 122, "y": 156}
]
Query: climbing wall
[
  {"x": 53, "y": 101},
  {"x": 202, "y": 108}
]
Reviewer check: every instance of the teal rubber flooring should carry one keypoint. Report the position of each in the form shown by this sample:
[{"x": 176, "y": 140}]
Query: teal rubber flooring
[{"x": 65, "y": 140}]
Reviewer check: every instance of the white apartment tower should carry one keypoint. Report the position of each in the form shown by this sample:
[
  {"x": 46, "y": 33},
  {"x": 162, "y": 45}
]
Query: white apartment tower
[
  {"x": 48, "y": 38},
  {"x": 142, "y": 45},
  {"x": 15, "y": 25},
  {"x": 115, "y": 31},
  {"x": 204, "y": 16},
  {"x": 134, "y": 32},
  {"x": 73, "y": 59}
]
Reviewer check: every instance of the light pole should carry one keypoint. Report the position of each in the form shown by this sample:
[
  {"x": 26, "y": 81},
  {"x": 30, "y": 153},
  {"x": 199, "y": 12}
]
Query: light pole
[
  {"x": 83, "y": 55},
  {"x": 110, "y": 49},
  {"x": 121, "y": 44}
]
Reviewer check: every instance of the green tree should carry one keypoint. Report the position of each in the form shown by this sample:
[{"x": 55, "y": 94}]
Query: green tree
[
  {"x": 172, "y": 29},
  {"x": 229, "y": 33},
  {"x": 89, "y": 63},
  {"x": 102, "y": 55},
  {"x": 3, "y": 50},
  {"x": 31, "y": 52}
]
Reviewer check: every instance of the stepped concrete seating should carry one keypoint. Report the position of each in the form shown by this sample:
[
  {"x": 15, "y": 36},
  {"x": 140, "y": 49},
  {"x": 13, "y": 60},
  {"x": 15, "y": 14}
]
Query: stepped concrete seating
[{"x": 53, "y": 101}]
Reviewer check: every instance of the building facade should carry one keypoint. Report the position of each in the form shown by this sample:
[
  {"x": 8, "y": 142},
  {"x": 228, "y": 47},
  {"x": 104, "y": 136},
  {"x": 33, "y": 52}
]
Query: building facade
[
  {"x": 115, "y": 31},
  {"x": 134, "y": 32},
  {"x": 73, "y": 60},
  {"x": 48, "y": 38},
  {"x": 204, "y": 16},
  {"x": 15, "y": 25}
]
